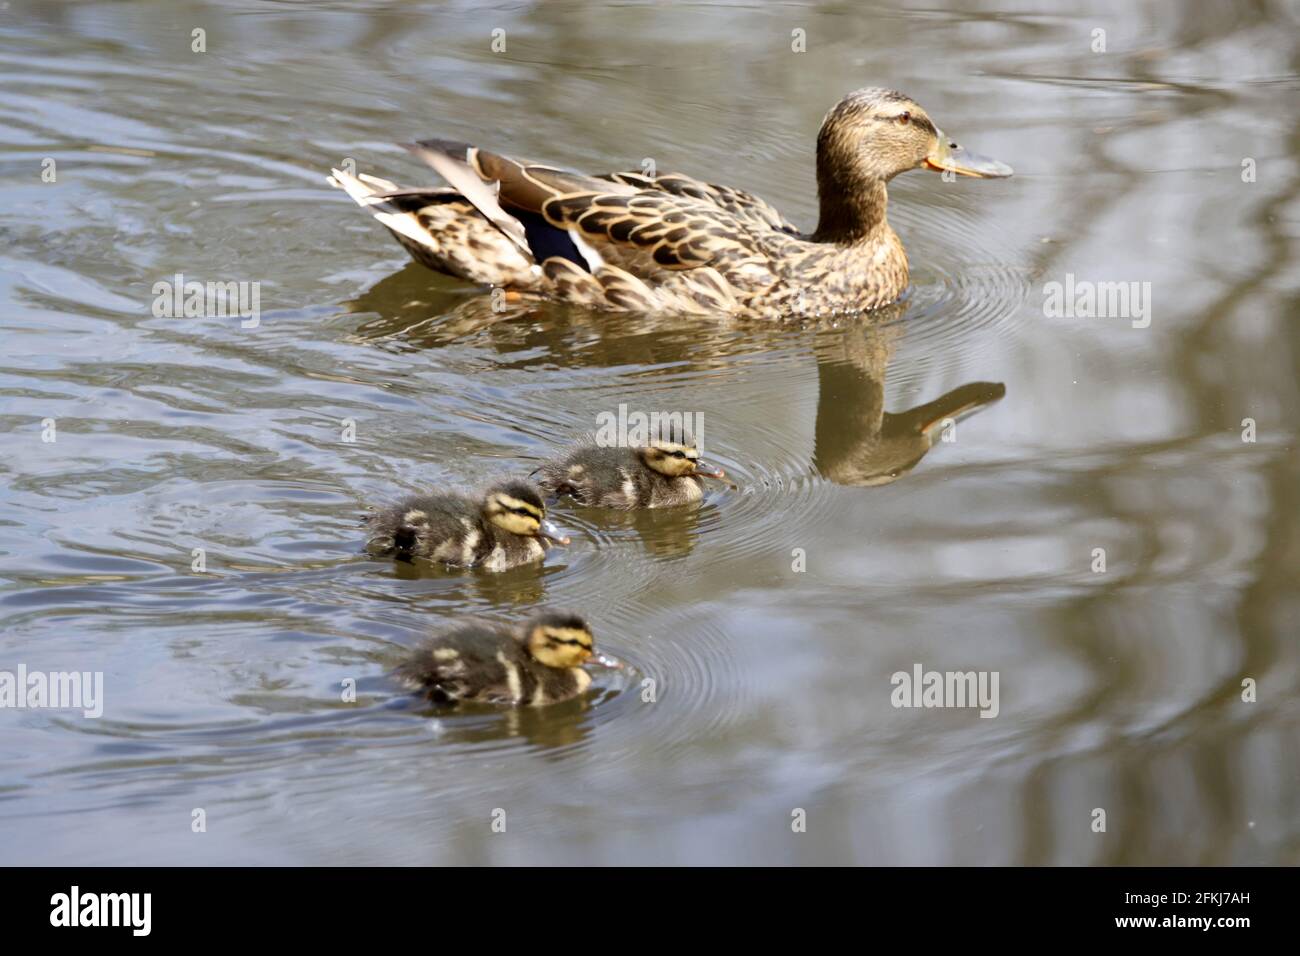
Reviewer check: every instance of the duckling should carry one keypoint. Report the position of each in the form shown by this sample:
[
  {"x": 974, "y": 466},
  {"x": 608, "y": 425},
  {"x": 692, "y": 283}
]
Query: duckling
[
  {"x": 660, "y": 474},
  {"x": 505, "y": 528},
  {"x": 539, "y": 663}
]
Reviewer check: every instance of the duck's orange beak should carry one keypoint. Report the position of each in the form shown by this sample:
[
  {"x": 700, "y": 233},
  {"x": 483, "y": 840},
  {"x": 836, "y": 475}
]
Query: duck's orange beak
[{"x": 947, "y": 156}]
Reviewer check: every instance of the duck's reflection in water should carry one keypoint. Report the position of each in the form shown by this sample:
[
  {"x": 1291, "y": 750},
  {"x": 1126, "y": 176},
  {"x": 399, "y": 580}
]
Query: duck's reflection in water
[
  {"x": 857, "y": 442},
  {"x": 417, "y": 309}
]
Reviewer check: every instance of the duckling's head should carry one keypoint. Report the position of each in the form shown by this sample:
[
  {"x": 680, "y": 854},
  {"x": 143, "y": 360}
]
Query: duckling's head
[
  {"x": 677, "y": 459},
  {"x": 871, "y": 136},
  {"x": 560, "y": 640},
  {"x": 517, "y": 507}
]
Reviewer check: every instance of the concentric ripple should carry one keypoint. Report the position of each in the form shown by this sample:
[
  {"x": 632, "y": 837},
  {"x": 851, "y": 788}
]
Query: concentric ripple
[{"x": 968, "y": 279}]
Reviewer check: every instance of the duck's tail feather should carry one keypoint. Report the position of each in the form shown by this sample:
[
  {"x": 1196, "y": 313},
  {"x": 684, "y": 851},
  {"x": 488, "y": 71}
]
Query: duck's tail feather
[
  {"x": 385, "y": 201},
  {"x": 442, "y": 156},
  {"x": 441, "y": 229}
]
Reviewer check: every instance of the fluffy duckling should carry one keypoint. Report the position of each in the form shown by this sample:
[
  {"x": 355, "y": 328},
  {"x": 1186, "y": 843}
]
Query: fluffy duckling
[
  {"x": 539, "y": 663},
  {"x": 660, "y": 474},
  {"x": 505, "y": 528}
]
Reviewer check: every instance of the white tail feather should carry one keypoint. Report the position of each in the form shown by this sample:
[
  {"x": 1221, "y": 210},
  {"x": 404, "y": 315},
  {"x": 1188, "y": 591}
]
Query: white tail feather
[
  {"x": 363, "y": 190},
  {"x": 467, "y": 182}
]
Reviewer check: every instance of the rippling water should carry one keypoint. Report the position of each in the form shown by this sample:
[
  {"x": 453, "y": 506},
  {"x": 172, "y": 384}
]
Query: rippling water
[{"x": 771, "y": 686}]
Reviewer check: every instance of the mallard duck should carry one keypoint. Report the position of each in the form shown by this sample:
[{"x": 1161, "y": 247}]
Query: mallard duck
[
  {"x": 660, "y": 474},
  {"x": 506, "y": 527},
  {"x": 539, "y": 663},
  {"x": 632, "y": 242}
]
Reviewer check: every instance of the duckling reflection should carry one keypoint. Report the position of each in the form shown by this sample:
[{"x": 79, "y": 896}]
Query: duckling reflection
[
  {"x": 553, "y": 728},
  {"x": 857, "y": 442},
  {"x": 522, "y": 585},
  {"x": 669, "y": 534},
  {"x": 662, "y": 533}
]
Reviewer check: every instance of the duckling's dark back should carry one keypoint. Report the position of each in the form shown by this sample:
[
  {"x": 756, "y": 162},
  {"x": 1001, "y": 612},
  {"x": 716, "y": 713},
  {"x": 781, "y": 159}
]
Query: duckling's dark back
[
  {"x": 612, "y": 477},
  {"x": 452, "y": 665},
  {"x": 417, "y": 525},
  {"x": 483, "y": 664},
  {"x": 604, "y": 477}
]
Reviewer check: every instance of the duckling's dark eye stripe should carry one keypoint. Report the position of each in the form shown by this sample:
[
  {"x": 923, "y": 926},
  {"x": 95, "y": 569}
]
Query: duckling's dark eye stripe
[
  {"x": 557, "y": 637},
  {"x": 511, "y": 503}
]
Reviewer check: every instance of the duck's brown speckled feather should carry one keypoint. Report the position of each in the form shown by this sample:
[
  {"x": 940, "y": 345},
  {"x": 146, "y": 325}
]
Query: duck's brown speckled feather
[
  {"x": 666, "y": 243},
  {"x": 672, "y": 243}
]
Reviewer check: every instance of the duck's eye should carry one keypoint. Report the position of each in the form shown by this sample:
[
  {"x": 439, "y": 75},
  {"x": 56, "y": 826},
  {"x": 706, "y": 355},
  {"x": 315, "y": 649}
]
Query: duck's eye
[
  {"x": 904, "y": 118},
  {"x": 679, "y": 454}
]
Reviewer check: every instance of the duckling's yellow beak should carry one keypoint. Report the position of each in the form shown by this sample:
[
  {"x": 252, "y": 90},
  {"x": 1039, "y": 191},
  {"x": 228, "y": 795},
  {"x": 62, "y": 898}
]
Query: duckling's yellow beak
[
  {"x": 550, "y": 532},
  {"x": 706, "y": 470},
  {"x": 947, "y": 156}
]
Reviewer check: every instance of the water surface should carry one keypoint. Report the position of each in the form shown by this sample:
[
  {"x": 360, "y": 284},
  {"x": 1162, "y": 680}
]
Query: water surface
[{"x": 1120, "y": 689}]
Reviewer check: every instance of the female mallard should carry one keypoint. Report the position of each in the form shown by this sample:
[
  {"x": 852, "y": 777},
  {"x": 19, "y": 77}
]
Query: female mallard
[
  {"x": 540, "y": 663},
  {"x": 505, "y": 528},
  {"x": 630, "y": 242},
  {"x": 659, "y": 474}
]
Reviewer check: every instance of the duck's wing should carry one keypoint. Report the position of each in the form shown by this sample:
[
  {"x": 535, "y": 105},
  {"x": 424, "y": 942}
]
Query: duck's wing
[
  {"x": 743, "y": 205},
  {"x": 510, "y": 194},
  {"x": 618, "y": 239}
]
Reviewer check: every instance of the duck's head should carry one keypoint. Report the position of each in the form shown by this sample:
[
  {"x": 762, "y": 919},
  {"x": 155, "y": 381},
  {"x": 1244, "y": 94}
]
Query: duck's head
[
  {"x": 880, "y": 133},
  {"x": 677, "y": 459},
  {"x": 517, "y": 507},
  {"x": 557, "y": 639},
  {"x": 871, "y": 136}
]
